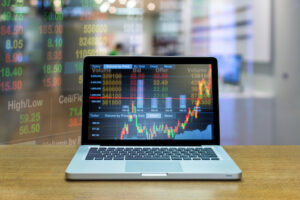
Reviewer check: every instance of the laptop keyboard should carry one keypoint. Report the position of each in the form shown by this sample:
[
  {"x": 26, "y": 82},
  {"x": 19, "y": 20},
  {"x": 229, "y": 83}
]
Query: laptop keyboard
[{"x": 154, "y": 153}]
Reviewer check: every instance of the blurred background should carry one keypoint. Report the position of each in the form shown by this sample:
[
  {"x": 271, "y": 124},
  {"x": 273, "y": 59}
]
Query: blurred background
[{"x": 43, "y": 43}]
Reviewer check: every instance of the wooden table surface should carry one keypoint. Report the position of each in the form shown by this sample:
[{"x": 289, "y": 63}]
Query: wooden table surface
[{"x": 38, "y": 172}]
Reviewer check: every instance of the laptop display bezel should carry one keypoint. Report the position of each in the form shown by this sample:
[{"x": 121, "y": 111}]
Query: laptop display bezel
[{"x": 148, "y": 60}]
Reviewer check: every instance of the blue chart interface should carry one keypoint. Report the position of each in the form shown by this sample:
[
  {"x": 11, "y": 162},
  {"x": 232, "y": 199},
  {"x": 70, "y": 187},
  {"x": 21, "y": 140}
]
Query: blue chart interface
[{"x": 150, "y": 102}]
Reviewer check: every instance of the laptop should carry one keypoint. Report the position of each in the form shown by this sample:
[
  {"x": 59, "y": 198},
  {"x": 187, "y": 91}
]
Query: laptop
[{"x": 150, "y": 118}]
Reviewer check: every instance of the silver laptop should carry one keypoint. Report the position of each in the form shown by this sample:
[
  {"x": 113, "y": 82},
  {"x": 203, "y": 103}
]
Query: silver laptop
[{"x": 151, "y": 118}]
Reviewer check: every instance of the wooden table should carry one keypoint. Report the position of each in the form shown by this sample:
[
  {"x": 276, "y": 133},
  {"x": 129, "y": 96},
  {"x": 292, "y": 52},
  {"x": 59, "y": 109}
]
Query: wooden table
[{"x": 38, "y": 172}]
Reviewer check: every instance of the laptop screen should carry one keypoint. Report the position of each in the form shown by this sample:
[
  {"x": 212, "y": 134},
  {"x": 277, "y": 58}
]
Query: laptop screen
[{"x": 150, "y": 102}]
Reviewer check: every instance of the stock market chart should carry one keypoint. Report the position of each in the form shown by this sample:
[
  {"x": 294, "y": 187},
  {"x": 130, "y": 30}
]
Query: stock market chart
[
  {"x": 42, "y": 45},
  {"x": 150, "y": 102}
]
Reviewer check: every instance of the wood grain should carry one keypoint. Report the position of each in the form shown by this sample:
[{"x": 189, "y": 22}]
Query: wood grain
[{"x": 37, "y": 172}]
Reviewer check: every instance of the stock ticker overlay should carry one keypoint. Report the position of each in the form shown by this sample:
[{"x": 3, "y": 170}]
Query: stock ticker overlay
[
  {"x": 153, "y": 102},
  {"x": 42, "y": 45}
]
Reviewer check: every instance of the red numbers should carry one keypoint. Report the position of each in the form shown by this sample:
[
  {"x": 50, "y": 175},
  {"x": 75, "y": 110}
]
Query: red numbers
[
  {"x": 51, "y": 29},
  {"x": 11, "y": 30},
  {"x": 52, "y": 82},
  {"x": 10, "y": 85},
  {"x": 74, "y": 122},
  {"x": 16, "y": 57}
]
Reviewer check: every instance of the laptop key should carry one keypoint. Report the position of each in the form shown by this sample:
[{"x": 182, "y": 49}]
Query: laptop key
[
  {"x": 132, "y": 158},
  {"x": 176, "y": 158},
  {"x": 164, "y": 158},
  {"x": 205, "y": 158},
  {"x": 119, "y": 158}
]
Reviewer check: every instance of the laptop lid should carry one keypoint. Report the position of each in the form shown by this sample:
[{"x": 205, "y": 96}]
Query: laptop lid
[{"x": 150, "y": 101}]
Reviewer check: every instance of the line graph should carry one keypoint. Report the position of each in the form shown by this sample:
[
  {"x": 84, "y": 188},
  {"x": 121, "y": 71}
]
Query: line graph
[{"x": 204, "y": 87}]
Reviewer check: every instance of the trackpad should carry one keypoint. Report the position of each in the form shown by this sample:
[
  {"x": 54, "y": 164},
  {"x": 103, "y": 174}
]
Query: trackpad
[{"x": 153, "y": 166}]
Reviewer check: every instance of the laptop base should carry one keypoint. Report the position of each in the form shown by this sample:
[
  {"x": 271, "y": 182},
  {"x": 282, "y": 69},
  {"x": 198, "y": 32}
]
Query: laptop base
[{"x": 223, "y": 169}]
